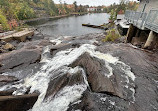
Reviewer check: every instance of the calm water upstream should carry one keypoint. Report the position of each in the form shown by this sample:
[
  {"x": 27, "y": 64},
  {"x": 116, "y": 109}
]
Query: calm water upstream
[{"x": 72, "y": 26}]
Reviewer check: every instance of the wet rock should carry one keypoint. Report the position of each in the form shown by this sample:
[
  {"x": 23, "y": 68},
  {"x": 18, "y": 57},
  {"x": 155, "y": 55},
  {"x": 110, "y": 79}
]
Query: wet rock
[
  {"x": 36, "y": 43},
  {"x": 5, "y": 93},
  {"x": 63, "y": 46},
  {"x": 99, "y": 102},
  {"x": 5, "y": 78},
  {"x": 96, "y": 71},
  {"x": 96, "y": 44},
  {"x": 17, "y": 103},
  {"x": 19, "y": 57},
  {"x": 24, "y": 71},
  {"x": 44, "y": 43},
  {"x": 59, "y": 82},
  {"x": 144, "y": 66}
]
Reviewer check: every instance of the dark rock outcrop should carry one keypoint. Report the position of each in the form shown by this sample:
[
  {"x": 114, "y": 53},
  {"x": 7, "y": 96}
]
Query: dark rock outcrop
[
  {"x": 96, "y": 71},
  {"x": 144, "y": 66},
  {"x": 24, "y": 56},
  {"x": 99, "y": 102},
  {"x": 17, "y": 103},
  {"x": 98, "y": 82},
  {"x": 59, "y": 82}
]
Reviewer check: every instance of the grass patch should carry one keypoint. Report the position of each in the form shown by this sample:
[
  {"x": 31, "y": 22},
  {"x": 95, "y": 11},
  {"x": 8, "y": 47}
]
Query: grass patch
[{"x": 112, "y": 35}]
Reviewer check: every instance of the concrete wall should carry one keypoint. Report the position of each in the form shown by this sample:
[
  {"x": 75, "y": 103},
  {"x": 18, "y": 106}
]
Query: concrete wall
[{"x": 153, "y": 4}]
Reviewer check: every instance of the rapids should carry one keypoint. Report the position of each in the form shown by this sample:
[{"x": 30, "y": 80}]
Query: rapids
[{"x": 59, "y": 65}]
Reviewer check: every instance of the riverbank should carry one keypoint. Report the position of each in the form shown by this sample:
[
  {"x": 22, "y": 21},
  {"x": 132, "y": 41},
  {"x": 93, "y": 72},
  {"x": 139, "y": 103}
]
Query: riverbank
[
  {"x": 79, "y": 73},
  {"x": 68, "y": 21},
  {"x": 53, "y": 17}
]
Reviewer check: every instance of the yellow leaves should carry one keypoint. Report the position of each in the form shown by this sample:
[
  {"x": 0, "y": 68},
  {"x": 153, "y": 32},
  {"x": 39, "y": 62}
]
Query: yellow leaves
[{"x": 3, "y": 21}]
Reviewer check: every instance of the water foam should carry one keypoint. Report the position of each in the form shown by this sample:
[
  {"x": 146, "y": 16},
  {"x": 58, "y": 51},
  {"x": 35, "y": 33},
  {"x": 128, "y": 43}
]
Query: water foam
[{"x": 61, "y": 101}]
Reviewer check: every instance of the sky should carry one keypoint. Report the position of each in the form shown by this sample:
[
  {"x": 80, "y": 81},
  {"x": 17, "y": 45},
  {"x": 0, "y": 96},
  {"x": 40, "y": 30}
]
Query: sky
[{"x": 91, "y": 2}]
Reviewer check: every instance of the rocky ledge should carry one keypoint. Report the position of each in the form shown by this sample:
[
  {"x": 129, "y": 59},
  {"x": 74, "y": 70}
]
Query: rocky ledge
[{"x": 78, "y": 74}]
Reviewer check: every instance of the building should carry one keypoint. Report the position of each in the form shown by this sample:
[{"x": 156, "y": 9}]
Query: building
[
  {"x": 92, "y": 9},
  {"x": 143, "y": 30},
  {"x": 95, "y": 9}
]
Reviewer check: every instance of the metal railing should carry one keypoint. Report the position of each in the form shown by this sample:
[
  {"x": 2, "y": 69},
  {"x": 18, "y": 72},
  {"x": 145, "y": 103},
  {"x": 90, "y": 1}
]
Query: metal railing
[
  {"x": 136, "y": 18},
  {"x": 152, "y": 21}
]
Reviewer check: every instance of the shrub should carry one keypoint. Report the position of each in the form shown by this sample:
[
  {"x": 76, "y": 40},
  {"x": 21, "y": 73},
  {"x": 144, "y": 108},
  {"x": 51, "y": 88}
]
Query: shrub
[
  {"x": 111, "y": 36},
  {"x": 3, "y": 21}
]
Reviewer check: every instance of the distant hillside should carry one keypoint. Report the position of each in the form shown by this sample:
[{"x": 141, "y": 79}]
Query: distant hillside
[
  {"x": 25, "y": 9},
  {"x": 12, "y": 11}
]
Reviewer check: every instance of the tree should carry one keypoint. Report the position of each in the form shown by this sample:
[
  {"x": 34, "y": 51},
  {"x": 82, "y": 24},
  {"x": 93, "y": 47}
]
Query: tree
[
  {"x": 60, "y": 1},
  {"x": 4, "y": 3},
  {"x": 123, "y": 1},
  {"x": 75, "y": 5},
  {"x": 112, "y": 15},
  {"x": 36, "y": 1}
]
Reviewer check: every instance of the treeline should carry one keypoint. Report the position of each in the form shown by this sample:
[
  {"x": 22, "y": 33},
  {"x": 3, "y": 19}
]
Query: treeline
[
  {"x": 120, "y": 8},
  {"x": 14, "y": 9},
  {"x": 11, "y": 11}
]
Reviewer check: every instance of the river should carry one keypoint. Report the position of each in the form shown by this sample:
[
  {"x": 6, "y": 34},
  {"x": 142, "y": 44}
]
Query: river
[{"x": 71, "y": 26}]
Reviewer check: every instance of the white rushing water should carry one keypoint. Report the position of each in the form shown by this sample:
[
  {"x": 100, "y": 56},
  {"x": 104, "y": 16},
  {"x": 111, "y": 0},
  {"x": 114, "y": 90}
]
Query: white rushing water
[{"x": 61, "y": 61}]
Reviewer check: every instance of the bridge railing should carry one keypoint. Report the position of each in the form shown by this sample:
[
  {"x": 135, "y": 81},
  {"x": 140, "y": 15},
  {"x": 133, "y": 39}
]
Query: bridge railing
[
  {"x": 152, "y": 20},
  {"x": 136, "y": 18}
]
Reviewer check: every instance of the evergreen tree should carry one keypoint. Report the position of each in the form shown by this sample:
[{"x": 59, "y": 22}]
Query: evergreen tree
[{"x": 75, "y": 6}]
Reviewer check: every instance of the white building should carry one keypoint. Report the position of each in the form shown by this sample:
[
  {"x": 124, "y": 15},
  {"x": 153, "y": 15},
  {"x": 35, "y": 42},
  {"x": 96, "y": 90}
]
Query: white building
[{"x": 92, "y": 9}]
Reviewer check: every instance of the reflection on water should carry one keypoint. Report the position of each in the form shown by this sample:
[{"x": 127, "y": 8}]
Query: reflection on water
[{"x": 72, "y": 26}]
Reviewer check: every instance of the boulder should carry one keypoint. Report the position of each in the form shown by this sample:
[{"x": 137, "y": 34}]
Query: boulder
[
  {"x": 99, "y": 83},
  {"x": 44, "y": 43},
  {"x": 8, "y": 46},
  {"x": 59, "y": 82},
  {"x": 24, "y": 56}
]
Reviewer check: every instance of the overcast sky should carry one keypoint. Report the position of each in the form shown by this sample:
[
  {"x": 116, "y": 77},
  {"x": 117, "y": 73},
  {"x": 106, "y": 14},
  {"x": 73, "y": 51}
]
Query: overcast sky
[{"x": 91, "y": 2}]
